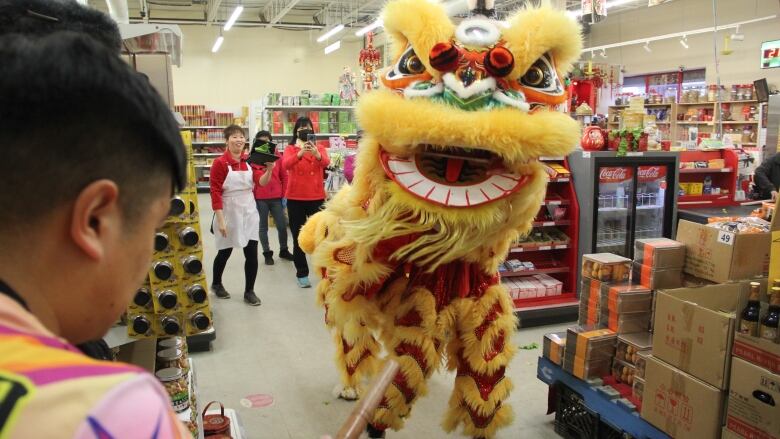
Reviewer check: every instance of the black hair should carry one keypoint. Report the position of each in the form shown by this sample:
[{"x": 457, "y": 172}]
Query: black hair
[
  {"x": 264, "y": 133},
  {"x": 72, "y": 113},
  {"x": 232, "y": 129},
  {"x": 302, "y": 121},
  {"x": 43, "y": 17}
]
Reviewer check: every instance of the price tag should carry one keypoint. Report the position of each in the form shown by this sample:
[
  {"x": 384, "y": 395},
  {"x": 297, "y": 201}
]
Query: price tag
[
  {"x": 545, "y": 247},
  {"x": 635, "y": 154},
  {"x": 726, "y": 237},
  {"x": 586, "y": 154},
  {"x": 548, "y": 223}
]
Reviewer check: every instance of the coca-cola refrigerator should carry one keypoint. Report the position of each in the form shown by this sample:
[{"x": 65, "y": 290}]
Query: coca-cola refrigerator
[{"x": 623, "y": 199}]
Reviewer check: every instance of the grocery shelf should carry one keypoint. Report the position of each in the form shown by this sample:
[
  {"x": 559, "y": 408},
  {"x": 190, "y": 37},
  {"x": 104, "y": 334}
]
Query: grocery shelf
[
  {"x": 207, "y": 154},
  {"x": 546, "y": 302},
  {"x": 538, "y": 248},
  {"x": 551, "y": 270},
  {"x": 613, "y": 209},
  {"x": 560, "y": 180},
  {"x": 555, "y": 202},
  {"x": 551, "y": 159},
  {"x": 206, "y": 127},
  {"x": 208, "y": 142},
  {"x": 628, "y": 421},
  {"x": 740, "y": 122},
  {"x": 708, "y": 103},
  {"x": 651, "y": 207},
  {"x": 203, "y": 166},
  {"x": 309, "y": 107},
  {"x": 551, "y": 223},
  {"x": 694, "y": 122},
  {"x": 704, "y": 170},
  {"x": 319, "y": 134}
]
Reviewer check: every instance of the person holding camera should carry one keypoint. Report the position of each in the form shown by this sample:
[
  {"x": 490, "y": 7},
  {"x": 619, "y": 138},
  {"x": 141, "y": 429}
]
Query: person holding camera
[
  {"x": 767, "y": 178},
  {"x": 305, "y": 163}
]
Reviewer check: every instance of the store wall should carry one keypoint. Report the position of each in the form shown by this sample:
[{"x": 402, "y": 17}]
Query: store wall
[
  {"x": 255, "y": 61},
  {"x": 742, "y": 66}
]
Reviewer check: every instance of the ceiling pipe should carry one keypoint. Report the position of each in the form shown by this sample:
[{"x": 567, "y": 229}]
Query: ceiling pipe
[
  {"x": 199, "y": 21},
  {"x": 119, "y": 11}
]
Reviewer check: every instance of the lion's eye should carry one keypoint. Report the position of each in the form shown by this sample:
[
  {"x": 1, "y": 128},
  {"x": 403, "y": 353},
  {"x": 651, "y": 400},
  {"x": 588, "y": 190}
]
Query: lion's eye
[
  {"x": 533, "y": 77},
  {"x": 412, "y": 65}
]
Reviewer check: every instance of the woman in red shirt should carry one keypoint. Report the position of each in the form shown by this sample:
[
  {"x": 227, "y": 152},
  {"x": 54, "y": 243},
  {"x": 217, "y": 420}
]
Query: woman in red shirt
[
  {"x": 269, "y": 200},
  {"x": 305, "y": 163},
  {"x": 237, "y": 222}
]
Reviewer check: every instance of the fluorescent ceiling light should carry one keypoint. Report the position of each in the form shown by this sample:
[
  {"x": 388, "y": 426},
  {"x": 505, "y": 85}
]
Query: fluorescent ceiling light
[
  {"x": 364, "y": 30},
  {"x": 330, "y": 33},
  {"x": 333, "y": 47},
  {"x": 233, "y": 17},
  {"x": 217, "y": 44},
  {"x": 684, "y": 42}
]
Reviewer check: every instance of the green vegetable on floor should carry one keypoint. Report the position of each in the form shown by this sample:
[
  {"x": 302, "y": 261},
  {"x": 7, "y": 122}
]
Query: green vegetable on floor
[{"x": 529, "y": 347}]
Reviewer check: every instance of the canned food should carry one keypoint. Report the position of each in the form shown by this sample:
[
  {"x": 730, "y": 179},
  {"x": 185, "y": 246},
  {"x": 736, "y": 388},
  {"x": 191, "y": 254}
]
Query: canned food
[
  {"x": 170, "y": 325},
  {"x": 192, "y": 265},
  {"x": 200, "y": 320},
  {"x": 196, "y": 293},
  {"x": 142, "y": 297},
  {"x": 188, "y": 236},
  {"x": 161, "y": 241},
  {"x": 163, "y": 270},
  {"x": 141, "y": 325},
  {"x": 168, "y": 299},
  {"x": 177, "y": 206},
  {"x": 176, "y": 386},
  {"x": 172, "y": 357}
]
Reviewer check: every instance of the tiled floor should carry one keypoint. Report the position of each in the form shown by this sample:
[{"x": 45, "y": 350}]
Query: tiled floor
[{"x": 283, "y": 349}]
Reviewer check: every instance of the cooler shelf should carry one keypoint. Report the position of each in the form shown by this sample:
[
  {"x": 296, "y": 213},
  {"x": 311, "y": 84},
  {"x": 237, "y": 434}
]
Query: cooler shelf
[
  {"x": 551, "y": 270},
  {"x": 704, "y": 170}
]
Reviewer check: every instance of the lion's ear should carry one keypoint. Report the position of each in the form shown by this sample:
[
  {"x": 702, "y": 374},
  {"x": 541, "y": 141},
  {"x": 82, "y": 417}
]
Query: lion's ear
[{"x": 419, "y": 25}]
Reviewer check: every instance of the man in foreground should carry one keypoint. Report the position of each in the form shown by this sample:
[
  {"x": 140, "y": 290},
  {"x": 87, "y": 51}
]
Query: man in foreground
[{"x": 91, "y": 156}]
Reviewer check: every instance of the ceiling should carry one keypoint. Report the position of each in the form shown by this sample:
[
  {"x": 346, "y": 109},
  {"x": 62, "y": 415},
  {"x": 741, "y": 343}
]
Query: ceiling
[{"x": 300, "y": 14}]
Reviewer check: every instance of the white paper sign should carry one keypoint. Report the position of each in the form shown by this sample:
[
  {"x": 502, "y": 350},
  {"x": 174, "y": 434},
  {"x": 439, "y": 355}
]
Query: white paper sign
[{"x": 726, "y": 237}]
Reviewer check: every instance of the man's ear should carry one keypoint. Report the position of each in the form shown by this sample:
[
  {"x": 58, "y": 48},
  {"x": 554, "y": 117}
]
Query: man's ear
[{"x": 95, "y": 211}]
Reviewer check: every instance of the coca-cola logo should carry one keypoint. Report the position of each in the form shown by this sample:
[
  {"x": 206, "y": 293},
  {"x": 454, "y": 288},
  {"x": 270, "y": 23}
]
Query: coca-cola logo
[
  {"x": 614, "y": 174},
  {"x": 649, "y": 173}
]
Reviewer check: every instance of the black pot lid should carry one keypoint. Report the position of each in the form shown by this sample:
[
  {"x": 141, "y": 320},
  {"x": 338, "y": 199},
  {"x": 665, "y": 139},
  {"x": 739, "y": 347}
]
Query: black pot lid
[
  {"x": 197, "y": 294},
  {"x": 142, "y": 297},
  {"x": 200, "y": 321},
  {"x": 193, "y": 266},
  {"x": 160, "y": 242},
  {"x": 140, "y": 325},
  {"x": 168, "y": 299},
  {"x": 163, "y": 270},
  {"x": 177, "y": 206},
  {"x": 170, "y": 326},
  {"x": 189, "y": 238}
]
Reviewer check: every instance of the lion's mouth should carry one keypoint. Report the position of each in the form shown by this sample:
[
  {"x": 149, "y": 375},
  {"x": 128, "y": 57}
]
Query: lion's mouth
[{"x": 453, "y": 176}]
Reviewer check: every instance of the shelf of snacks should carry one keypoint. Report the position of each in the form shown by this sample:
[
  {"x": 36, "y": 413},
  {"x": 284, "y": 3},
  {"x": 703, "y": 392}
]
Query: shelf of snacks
[
  {"x": 538, "y": 270},
  {"x": 707, "y": 178},
  {"x": 697, "y": 117},
  {"x": 330, "y": 115}
]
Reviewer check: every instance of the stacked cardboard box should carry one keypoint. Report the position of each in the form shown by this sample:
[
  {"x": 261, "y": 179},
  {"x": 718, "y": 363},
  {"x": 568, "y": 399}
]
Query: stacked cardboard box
[
  {"x": 589, "y": 351},
  {"x": 554, "y": 347},
  {"x": 540, "y": 285},
  {"x": 626, "y": 308},
  {"x": 658, "y": 263},
  {"x": 599, "y": 270}
]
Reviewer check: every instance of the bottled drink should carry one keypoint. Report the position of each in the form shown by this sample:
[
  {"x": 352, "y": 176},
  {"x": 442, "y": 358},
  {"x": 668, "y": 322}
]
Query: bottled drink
[
  {"x": 167, "y": 299},
  {"x": 200, "y": 320},
  {"x": 196, "y": 293},
  {"x": 750, "y": 315},
  {"x": 163, "y": 270},
  {"x": 188, "y": 236},
  {"x": 170, "y": 325},
  {"x": 769, "y": 324},
  {"x": 141, "y": 325},
  {"x": 142, "y": 297},
  {"x": 161, "y": 241}
]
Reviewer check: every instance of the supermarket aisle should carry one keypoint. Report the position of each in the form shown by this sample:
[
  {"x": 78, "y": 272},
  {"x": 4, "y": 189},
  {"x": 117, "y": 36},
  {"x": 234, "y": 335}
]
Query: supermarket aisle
[{"x": 282, "y": 349}]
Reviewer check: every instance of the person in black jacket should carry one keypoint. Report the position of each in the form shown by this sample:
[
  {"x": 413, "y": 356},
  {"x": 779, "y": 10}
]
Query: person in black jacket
[{"x": 768, "y": 177}]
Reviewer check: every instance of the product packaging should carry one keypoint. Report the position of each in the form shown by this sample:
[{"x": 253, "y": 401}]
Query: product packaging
[
  {"x": 694, "y": 330},
  {"x": 721, "y": 256},
  {"x": 641, "y": 362},
  {"x": 630, "y": 345},
  {"x": 627, "y": 323},
  {"x": 606, "y": 267},
  {"x": 754, "y": 393},
  {"x": 659, "y": 253},
  {"x": 623, "y": 372},
  {"x": 755, "y": 350},
  {"x": 590, "y": 343},
  {"x": 638, "y": 389},
  {"x": 554, "y": 345},
  {"x": 654, "y": 279},
  {"x": 679, "y": 404}
]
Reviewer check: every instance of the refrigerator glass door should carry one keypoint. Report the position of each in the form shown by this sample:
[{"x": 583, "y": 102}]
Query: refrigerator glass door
[
  {"x": 614, "y": 206},
  {"x": 651, "y": 201}
]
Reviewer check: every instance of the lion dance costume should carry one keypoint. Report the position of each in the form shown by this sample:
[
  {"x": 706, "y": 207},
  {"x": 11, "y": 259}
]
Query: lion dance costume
[{"x": 447, "y": 177}]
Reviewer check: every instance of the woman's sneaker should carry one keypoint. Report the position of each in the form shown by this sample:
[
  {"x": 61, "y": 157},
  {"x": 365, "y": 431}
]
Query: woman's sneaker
[
  {"x": 286, "y": 255},
  {"x": 220, "y": 291},
  {"x": 251, "y": 298},
  {"x": 303, "y": 282}
]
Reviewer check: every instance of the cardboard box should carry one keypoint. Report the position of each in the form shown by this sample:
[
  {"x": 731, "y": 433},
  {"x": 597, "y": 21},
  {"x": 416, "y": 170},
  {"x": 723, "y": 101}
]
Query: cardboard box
[
  {"x": 721, "y": 256},
  {"x": 694, "y": 330},
  {"x": 606, "y": 267},
  {"x": 653, "y": 279},
  {"x": 554, "y": 345},
  {"x": 659, "y": 253},
  {"x": 774, "y": 266},
  {"x": 752, "y": 402},
  {"x": 679, "y": 404}
]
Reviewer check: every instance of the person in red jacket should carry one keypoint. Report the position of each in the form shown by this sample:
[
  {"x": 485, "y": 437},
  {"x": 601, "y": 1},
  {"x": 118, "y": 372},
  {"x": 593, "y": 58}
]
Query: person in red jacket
[
  {"x": 269, "y": 200},
  {"x": 237, "y": 222},
  {"x": 305, "y": 162}
]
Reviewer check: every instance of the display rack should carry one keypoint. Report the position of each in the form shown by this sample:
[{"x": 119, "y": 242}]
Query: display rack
[
  {"x": 558, "y": 260},
  {"x": 681, "y": 128},
  {"x": 261, "y": 118},
  {"x": 724, "y": 178},
  {"x": 605, "y": 409},
  {"x": 664, "y": 125}
]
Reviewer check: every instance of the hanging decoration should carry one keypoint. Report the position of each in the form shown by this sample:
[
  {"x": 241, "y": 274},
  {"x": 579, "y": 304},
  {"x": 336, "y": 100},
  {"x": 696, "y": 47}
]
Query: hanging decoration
[
  {"x": 347, "y": 89},
  {"x": 369, "y": 63}
]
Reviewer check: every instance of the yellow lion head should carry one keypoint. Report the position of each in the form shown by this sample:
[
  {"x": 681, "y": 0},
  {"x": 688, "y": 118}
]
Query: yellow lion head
[{"x": 452, "y": 143}]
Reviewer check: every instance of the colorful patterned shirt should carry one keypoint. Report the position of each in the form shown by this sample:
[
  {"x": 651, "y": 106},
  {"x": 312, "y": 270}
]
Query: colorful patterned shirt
[{"x": 48, "y": 389}]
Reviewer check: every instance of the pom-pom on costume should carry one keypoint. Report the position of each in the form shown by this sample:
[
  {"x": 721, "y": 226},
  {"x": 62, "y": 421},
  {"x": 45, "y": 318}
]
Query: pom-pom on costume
[{"x": 447, "y": 177}]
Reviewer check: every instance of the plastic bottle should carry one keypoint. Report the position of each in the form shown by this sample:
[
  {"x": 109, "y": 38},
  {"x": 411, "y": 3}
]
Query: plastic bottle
[{"x": 707, "y": 185}]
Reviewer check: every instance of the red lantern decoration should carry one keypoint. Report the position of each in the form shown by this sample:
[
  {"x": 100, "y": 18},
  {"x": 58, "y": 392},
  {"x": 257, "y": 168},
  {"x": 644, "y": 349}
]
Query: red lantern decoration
[
  {"x": 592, "y": 139},
  {"x": 369, "y": 63}
]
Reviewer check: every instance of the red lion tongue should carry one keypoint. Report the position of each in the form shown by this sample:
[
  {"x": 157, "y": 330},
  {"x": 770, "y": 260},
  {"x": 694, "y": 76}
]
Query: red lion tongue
[{"x": 454, "y": 167}]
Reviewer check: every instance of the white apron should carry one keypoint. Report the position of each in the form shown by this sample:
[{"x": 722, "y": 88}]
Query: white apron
[{"x": 240, "y": 211}]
